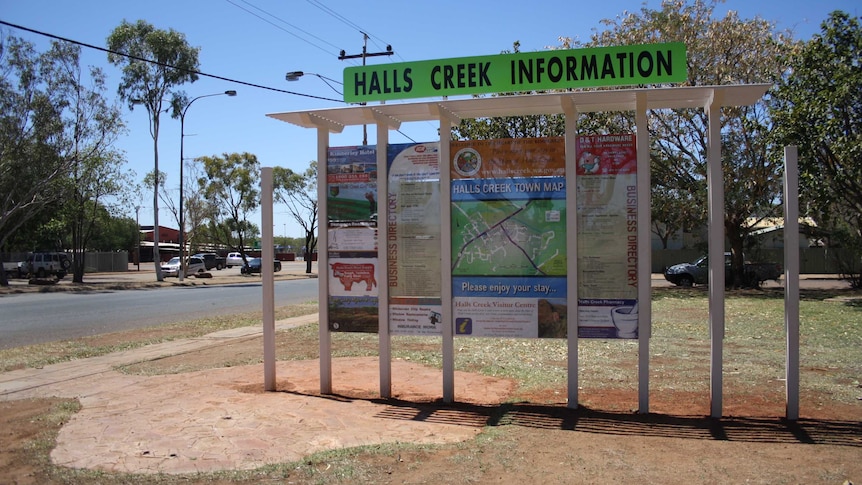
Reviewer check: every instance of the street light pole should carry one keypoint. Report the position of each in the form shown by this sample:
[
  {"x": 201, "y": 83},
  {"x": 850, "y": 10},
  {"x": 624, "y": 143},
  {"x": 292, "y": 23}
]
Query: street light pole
[{"x": 231, "y": 92}]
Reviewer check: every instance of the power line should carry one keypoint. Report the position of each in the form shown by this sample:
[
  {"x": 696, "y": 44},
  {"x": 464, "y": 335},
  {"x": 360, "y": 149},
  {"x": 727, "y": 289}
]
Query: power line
[
  {"x": 282, "y": 28},
  {"x": 334, "y": 14},
  {"x": 346, "y": 21},
  {"x": 141, "y": 59},
  {"x": 199, "y": 73}
]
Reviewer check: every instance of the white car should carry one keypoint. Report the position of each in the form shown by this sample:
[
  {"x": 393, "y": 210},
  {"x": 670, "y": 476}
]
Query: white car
[
  {"x": 193, "y": 265},
  {"x": 233, "y": 259}
]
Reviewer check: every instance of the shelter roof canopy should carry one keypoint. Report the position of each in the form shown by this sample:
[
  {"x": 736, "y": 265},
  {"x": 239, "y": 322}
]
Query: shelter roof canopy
[{"x": 335, "y": 119}]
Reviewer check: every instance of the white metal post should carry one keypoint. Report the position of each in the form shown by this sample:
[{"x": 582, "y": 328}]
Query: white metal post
[
  {"x": 644, "y": 254},
  {"x": 384, "y": 339},
  {"x": 791, "y": 279},
  {"x": 715, "y": 192},
  {"x": 446, "y": 262},
  {"x": 267, "y": 256},
  {"x": 571, "y": 112},
  {"x": 322, "y": 263}
]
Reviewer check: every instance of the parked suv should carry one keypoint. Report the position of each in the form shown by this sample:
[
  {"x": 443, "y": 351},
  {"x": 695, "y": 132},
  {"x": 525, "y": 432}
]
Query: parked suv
[{"x": 42, "y": 264}]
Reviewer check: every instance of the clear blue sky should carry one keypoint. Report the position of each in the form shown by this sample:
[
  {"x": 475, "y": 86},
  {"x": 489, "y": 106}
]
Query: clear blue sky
[{"x": 258, "y": 41}]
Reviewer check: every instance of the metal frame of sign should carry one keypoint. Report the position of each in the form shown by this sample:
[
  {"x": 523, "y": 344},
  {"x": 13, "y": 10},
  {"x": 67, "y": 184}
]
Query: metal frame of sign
[{"x": 448, "y": 112}]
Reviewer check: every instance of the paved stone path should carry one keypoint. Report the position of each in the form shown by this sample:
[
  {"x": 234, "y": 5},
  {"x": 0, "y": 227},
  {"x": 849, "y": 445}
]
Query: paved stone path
[{"x": 221, "y": 419}]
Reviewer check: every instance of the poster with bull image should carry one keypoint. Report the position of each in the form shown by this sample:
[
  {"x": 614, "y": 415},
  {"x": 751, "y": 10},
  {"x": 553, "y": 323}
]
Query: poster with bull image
[
  {"x": 351, "y": 178},
  {"x": 353, "y": 298}
]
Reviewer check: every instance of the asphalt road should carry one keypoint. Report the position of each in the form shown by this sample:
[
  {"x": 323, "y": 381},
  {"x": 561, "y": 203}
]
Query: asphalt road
[
  {"x": 33, "y": 318},
  {"x": 38, "y": 317}
]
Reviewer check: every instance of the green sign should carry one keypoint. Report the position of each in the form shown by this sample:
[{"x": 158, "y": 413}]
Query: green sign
[{"x": 533, "y": 71}]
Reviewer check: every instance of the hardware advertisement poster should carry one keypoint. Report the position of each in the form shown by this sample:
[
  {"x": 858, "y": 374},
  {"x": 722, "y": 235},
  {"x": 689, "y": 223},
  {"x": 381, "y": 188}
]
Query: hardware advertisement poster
[{"x": 607, "y": 236}]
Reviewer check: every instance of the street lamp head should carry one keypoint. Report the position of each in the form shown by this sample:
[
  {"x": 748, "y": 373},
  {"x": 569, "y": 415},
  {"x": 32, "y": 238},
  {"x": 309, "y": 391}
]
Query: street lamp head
[
  {"x": 293, "y": 75},
  {"x": 230, "y": 92}
]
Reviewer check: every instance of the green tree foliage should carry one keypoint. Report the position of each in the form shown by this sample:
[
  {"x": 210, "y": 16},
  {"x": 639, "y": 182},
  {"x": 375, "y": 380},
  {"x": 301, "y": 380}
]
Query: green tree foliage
[
  {"x": 230, "y": 183},
  {"x": 497, "y": 127},
  {"x": 91, "y": 126},
  {"x": 299, "y": 192},
  {"x": 173, "y": 62},
  {"x": 818, "y": 108},
  {"x": 31, "y": 134},
  {"x": 58, "y": 134},
  {"x": 196, "y": 207},
  {"x": 115, "y": 233},
  {"x": 720, "y": 51}
]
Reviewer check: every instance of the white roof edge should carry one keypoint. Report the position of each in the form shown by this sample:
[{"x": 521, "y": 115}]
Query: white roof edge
[{"x": 550, "y": 103}]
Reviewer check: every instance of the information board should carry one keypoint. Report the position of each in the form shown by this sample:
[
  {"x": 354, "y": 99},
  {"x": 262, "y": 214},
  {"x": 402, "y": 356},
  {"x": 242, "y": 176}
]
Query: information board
[
  {"x": 509, "y": 237},
  {"x": 413, "y": 239},
  {"x": 607, "y": 236},
  {"x": 351, "y": 187}
]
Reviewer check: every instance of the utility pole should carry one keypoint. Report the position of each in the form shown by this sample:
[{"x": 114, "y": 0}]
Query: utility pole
[{"x": 365, "y": 54}]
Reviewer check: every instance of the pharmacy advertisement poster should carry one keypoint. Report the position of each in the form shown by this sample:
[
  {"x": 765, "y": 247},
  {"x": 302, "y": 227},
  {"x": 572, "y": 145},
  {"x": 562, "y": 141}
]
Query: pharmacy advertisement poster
[
  {"x": 607, "y": 236},
  {"x": 508, "y": 206},
  {"x": 413, "y": 239}
]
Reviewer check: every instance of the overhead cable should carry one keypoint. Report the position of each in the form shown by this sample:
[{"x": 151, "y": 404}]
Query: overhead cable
[
  {"x": 348, "y": 22},
  {"x": 282, "y": 28},
  {"x": 141, "y": 59}
]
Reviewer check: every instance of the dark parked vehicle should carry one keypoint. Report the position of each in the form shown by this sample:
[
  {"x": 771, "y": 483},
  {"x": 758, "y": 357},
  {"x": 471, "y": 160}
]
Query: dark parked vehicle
[
  {"x": 688, "y": 274},
  {"x": 253, "y": 266},
  {"x": 211, "y": 260}
]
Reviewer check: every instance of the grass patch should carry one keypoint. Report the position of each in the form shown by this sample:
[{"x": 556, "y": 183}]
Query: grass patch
[
  {"x": 754, "y": 347},
  {"x": 40, "y": 355}
]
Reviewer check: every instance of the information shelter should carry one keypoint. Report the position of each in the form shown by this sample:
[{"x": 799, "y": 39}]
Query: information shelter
[{"x": 448, "y": 113}]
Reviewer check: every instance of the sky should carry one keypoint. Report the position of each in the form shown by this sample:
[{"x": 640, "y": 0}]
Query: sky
[{"x": 259, "y": 41}]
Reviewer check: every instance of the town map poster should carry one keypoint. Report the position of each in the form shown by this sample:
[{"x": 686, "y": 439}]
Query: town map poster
[
  {"x": 508, "y": 206},
  {"x": 607, "y": 236}
]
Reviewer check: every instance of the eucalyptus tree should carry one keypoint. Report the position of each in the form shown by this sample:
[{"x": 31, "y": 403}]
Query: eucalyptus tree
[
  {"x": 727, "y": 50},
  {"x": 818, "y": 107},
  {"x": 97, "y": 180},
  {"x": 154, "y": 63},
  {"x": 31, "y": 132},
  {"x": 299, "y": 192},
  {"x": 230, "y": 184},
  {"x": 195, "y": 207}
]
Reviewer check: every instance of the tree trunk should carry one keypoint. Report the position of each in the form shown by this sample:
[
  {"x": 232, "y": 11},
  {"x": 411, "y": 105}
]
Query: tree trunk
[
  {"x": 309, "y": 250},
  {"x": 737, "y": 259},
  {"x": 77, "y": 266},
  {"x": 4, "y": 279}
]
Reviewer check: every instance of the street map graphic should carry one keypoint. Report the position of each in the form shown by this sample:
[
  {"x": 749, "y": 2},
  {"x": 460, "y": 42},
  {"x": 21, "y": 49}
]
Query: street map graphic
[{"x": 509, "y": 237}]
